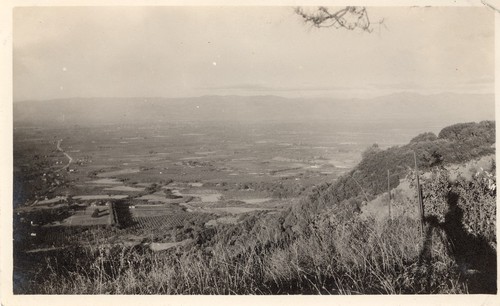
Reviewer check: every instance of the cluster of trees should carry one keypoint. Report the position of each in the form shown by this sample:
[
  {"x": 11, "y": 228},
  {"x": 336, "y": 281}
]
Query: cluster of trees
[
  {"x": 282, "y": 189},
  {"x": 122, "y": 217},
  {"x": 482, "y": 132}
]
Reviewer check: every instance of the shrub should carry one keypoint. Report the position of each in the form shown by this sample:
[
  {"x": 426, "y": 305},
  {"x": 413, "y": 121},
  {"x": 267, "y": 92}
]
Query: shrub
[
  {"x": 478, "y": 202},
  {"x": 424, "y": 137},
  {"x": 483, "y": 132}
]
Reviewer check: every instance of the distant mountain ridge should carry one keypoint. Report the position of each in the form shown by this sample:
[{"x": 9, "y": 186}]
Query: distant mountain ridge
[{"x": 404, "y": 107}]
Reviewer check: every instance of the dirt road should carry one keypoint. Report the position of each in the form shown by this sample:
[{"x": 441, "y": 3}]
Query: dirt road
[{"x": 70, "y": 159}]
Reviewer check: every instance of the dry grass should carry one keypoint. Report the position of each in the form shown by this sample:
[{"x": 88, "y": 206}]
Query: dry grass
[{"x": 339, "y": 258}]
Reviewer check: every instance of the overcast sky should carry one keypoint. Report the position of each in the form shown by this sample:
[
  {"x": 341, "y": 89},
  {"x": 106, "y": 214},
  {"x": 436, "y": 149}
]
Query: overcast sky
[{"x": 176, "y": 52}]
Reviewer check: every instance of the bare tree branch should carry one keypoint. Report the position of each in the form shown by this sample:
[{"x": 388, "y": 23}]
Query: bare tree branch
[
  {"x": 490, "y": 6},
  {"x": 349, "y": 17}
]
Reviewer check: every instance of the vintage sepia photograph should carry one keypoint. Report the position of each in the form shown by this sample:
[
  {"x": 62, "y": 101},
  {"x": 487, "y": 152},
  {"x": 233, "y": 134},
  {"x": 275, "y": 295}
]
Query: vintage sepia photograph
[{"x": 253, "y": 150}]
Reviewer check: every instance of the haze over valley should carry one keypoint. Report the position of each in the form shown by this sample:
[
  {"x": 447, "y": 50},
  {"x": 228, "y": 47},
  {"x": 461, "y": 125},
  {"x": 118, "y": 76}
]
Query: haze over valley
[{"x": 407, "y": 110}]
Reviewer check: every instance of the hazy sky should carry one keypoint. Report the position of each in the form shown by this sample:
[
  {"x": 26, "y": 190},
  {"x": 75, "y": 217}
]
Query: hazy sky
[{"x": 192, "y": 51}]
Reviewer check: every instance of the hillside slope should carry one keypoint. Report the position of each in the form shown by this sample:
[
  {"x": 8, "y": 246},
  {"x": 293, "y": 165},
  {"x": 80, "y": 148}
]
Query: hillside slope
[
  {"x": 378, "y": 208},
  {"x": 456, "y": 144}
]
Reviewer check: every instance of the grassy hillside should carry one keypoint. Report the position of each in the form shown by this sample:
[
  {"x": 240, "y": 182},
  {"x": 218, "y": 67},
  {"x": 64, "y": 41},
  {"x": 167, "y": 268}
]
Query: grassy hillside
[
  {"x": 323, "y": 244},
  {"x": 378, "y": 208},
  {"x": 455, "y": 144}
]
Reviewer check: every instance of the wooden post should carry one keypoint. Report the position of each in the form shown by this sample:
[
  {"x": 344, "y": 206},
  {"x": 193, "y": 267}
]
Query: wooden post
[
  {"x": 366, "y": 197},
  {"x": 419, "y": 193},
  {"x": 389, "y": 193},
  {"x": 111, "y": 215}
]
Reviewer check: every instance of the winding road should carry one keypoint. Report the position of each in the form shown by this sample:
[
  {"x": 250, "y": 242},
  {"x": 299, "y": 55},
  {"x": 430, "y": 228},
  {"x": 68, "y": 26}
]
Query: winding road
[{"x": 70, "y": 159}]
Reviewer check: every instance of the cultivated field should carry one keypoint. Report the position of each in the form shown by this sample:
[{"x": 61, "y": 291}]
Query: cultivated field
[{"x": 168, "y": 174}]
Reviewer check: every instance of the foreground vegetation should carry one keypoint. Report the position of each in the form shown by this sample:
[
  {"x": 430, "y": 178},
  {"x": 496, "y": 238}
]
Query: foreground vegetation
[{"x": 322, "y": 245}]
